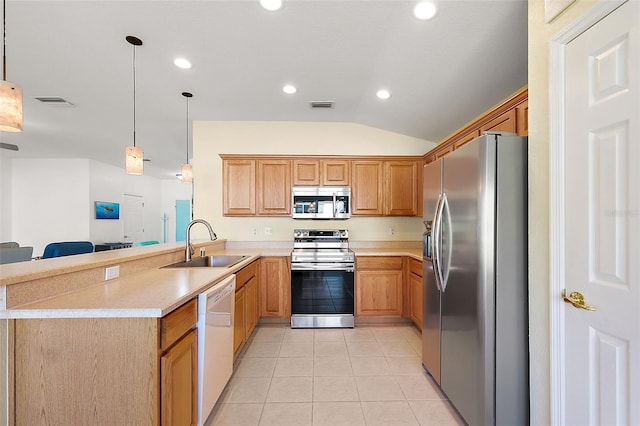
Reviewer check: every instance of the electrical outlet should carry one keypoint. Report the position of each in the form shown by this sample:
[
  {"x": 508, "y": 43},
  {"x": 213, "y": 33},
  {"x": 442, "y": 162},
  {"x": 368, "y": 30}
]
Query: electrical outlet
[
  {"x": 254, "y": 231},
  {"x": 267, "y": 231},
  {"x": 111, "y": 272},
  {"x": 392, "y": 231}
]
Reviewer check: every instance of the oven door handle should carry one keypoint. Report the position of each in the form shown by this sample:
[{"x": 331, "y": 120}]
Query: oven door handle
[{"x": 314, "y": 266}]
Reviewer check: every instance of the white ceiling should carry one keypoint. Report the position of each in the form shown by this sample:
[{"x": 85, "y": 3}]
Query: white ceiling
[{"x": 442, "y": 73}]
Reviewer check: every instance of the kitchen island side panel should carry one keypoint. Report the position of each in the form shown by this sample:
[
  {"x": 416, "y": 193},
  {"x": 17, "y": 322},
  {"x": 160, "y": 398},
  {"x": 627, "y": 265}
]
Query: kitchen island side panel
[{"x": 87, "y": 371}]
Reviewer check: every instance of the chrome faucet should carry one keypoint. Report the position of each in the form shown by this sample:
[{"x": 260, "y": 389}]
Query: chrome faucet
[{"x": 189, "y": 250}]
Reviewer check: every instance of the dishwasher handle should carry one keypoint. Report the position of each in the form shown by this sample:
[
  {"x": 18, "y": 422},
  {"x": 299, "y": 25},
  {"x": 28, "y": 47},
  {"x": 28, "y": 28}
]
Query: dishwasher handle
[{"x": 219, "y": 319}]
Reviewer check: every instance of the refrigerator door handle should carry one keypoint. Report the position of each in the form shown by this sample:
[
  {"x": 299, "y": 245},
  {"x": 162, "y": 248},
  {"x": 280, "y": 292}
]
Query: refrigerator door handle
[
  {"x": 435, "y": 240},
  {"x": 445, "y": 213}
]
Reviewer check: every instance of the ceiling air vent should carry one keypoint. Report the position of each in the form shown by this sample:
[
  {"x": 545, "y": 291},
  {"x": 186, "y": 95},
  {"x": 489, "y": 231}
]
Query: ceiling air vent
[
  {"x": 321, "y": 104},
  {"x": 54, "y": 100}
]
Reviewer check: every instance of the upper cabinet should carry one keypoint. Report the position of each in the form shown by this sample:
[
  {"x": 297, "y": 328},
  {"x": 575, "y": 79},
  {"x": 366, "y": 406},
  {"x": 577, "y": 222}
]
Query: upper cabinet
[
  {"x": 380, "y": 186},
  {"x": 386, "y": 188},
  {"x": 321, "y": 172},
  {"x": 509, "y": 116},
  {"x": 274, "y": 187},
  {"x": 239, "y": 183}
]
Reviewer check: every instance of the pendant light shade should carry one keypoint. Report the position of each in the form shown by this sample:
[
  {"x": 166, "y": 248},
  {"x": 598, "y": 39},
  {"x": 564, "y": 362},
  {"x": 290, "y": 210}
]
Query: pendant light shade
[
  {"x": 187, "y": 170},
  {"x": 10, "y": 93},
  {"x": 134, "y": 159},
  {"x": 187, "y": 173}
]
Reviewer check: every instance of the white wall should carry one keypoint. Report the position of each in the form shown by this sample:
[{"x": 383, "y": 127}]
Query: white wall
[
  {"x": 50, "y": 201},
  {"x": 5, "y": 196},
  {"x": 46, "y": 200},
  {"x": 211, "y": 138}
]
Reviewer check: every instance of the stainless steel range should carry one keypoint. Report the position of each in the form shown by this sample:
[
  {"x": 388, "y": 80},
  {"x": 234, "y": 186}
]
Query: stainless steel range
[{"x": 322, "y": 277}]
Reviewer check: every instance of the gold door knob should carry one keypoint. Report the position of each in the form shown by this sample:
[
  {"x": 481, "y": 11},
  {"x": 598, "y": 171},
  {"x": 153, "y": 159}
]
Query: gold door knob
[{"x": 576, "y": 299}]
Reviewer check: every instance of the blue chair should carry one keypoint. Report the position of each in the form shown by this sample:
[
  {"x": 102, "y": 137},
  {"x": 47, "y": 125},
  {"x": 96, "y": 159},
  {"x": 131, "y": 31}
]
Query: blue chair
[
  {"x": 146, "y": 243},
  {"x": 15, "y": 254},
  {"x": 67, "y": 248}
]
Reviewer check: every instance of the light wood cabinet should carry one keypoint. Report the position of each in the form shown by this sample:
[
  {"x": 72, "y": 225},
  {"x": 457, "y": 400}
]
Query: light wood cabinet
[
  {"x": 274, "y": 187},
  {"x": 111, "y": 371},
  {"x": 321, "y": 172},
  {"x": 336, "y": 172},
  {"x": 511, "y": 115},
  {"x": 505, "y": 122},
  {"x": 378, "y": 286},
  {"x": 179, "y": 365},
  {"x": 239, "y": 187},
  {"x": 402, "y": 195},
  {"x": 239, "y": 320},
  {"x": 415, "y": 292},
  {"x": 367, "y": 185},
  {"x": 246, "y": 305},
  {"x": 275, "y": 287},
  {"x": 522, "y": 119},
  {"x": 306, "y": 172}
]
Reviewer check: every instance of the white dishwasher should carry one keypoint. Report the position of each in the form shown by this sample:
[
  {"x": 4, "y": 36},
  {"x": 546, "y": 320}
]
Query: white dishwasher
[{"x": 215, "y": 343}]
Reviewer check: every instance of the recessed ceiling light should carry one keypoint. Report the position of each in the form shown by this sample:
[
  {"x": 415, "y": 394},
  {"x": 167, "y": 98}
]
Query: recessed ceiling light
[
  {"x": 289, "y": 89},
  {"x": 271, "y": 5},
  {"x": 424, "y": 10},
  {"x": 182, "y": 63},
  {"x": 383, "y": 94}
]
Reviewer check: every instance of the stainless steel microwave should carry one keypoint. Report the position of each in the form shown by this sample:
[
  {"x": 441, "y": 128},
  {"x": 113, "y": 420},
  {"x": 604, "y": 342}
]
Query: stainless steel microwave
[{"x": 320, "y": 202}]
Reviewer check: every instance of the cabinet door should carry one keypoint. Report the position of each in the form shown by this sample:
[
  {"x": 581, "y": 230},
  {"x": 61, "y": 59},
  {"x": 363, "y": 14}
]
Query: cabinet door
[
  {"x": 275, "y": 280},
  {"x": 306, "y": 172},
  {"x": 401, "y": 188},
  {"x": 505, "y": 122},
  {"x": 366, "y": 180},
  {"x": 415, "y": 297},
  {"x": 522, "y": 119},
  {"x": 379, "y": 292},
  {"x": 239, "y": 320},
  {"x": 251, "y": 306},
  {"x": 179, "y": 386},
  {"x": 274, "y": 187},
  {"x": 336, "y": 172},
  {"x": 466, "y": 138},
  {"x": 239, "y": 187}
]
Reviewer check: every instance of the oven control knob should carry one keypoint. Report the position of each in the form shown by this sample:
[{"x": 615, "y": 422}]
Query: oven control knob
[{"x": 343, "y": 233}]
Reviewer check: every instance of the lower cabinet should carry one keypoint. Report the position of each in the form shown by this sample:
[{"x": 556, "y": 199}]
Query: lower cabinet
[
  {"x": 415, "y": 291},
  {"x": 246, "y": 305},
  {"x": 179, "y": 366},
  {"x": 275, "y": 287},
  {"x": 110, "y": 371},
  {"x": 378, "y": 286}
]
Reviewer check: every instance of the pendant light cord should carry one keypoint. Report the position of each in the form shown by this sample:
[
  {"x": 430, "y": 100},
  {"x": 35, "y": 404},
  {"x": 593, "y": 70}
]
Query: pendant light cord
[
  {"x": 4, "y": 40},
  {"x": 187, "y": 162},
  {"x": 134, "y": 96}
]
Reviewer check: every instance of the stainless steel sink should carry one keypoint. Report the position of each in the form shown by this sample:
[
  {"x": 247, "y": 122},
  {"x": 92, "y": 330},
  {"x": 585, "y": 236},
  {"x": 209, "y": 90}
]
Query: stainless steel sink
[{"x": 220, "y": 261}]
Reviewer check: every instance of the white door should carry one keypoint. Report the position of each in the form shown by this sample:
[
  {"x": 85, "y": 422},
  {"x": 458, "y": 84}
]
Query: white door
[
  {"x": 132, "y": 218},
  {"x": 601, "y": 365}
]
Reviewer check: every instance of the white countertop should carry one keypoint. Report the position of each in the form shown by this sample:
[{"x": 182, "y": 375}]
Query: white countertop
[{"x": 153, "y": 292}]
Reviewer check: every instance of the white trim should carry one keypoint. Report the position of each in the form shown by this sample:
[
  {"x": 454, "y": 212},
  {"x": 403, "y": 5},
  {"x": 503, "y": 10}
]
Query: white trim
[{"x": 557, "y": 119}]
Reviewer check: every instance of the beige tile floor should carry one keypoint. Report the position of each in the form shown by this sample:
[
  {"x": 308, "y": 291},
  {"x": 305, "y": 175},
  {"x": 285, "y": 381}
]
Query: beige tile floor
[{"x": 360, "y": 376}]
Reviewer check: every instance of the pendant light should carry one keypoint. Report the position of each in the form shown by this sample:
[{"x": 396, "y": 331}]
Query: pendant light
[
  {"x": 10, "y": 93},
  {"x": 187, "y": 170},
  {"x": 134, "y": 155}
]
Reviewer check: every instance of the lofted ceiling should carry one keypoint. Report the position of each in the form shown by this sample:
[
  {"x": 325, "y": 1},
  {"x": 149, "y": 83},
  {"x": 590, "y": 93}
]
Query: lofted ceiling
[{"x": 441, "y": 73}]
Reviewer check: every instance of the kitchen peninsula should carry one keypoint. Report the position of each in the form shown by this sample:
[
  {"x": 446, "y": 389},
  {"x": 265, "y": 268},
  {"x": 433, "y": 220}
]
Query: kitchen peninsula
[{"x": 74, "y": 338}]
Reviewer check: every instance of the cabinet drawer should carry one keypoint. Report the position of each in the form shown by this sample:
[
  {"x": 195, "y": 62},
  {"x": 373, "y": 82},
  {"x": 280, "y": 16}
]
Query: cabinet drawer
[
  {"x": 177, "y": 323},
  {"x": 415, "y": 267},
  {"x": 379, "y": 262},
  {"x": 245, "y": 274}
]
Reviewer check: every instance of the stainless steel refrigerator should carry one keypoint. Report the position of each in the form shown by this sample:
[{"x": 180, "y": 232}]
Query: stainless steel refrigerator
[{"x": 475, "y": 322}]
